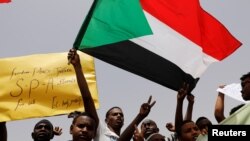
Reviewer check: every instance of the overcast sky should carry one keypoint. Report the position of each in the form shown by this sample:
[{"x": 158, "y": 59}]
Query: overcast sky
[{"x": 47, "y": 26}]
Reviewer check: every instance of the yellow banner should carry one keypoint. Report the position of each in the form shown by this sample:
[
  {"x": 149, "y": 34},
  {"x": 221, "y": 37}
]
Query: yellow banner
[{"x": 42, "y": 85}]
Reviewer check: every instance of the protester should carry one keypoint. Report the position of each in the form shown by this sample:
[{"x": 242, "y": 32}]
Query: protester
[
  {"x": 245, "y": 84},
  {"x": 44, "y": 131},
  {"x": 245, "y": 93},
  {"x": 203, "y": 124},
  {"x": 114, "y": 117},
  {"x": 114, "y": 122},
  {"x": 83, "y": 127},
  {"x": 188, "y": 116},
  {"x": 149, "y": 127},
  {"x": 186, "y": 130}
]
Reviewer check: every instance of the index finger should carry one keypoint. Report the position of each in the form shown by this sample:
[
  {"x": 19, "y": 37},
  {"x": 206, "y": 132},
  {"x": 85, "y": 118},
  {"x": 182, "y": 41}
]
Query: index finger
[
  {"x": 149, "y": 100},
  {"x": 151, "y": 105}
]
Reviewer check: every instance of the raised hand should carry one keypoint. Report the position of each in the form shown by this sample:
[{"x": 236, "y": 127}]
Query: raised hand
[
  {"x": 146, "y": 107},
  {"x": 183, "y": 91},
  {"x": 137, "y": 135},
  {"x": 57, "y": 131},
  {"x": 170, "y": 127},
  {"x": 73, "y": 57},
  {"x": 190, "y": 98}
]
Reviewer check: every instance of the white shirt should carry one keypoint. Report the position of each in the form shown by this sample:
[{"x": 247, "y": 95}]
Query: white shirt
[{"x": 103, "y": 133}]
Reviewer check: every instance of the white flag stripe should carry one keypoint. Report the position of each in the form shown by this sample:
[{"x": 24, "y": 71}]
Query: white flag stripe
[{"x": 166, "y": 42}]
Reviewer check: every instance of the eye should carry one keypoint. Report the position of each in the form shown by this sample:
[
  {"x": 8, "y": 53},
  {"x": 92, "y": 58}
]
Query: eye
[
  {"x": 242, "y": 85},
  {"x": 43, "y": 126}
]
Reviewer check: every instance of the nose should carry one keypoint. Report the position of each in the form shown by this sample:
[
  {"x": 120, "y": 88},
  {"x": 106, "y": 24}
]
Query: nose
[
  {"x": 147, "y": 125},
  {"x": 43, "y": 128},
  {"x": 84, "y": 129},
  {"x": 120, "y": 114},
  {"x": 195, "y": 132}
]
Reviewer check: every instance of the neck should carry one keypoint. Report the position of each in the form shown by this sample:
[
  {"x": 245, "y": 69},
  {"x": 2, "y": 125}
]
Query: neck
[{"x": 117, "y": 131}]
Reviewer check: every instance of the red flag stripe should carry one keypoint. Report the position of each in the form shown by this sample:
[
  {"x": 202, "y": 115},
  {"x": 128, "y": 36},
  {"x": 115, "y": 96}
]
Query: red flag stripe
[
  {"x": 190, "y": 20},
  {"x": 5, "y": 1}
]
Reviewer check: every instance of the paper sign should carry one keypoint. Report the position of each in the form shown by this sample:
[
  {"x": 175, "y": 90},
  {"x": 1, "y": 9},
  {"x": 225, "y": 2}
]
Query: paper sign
[
  {"x": 232, "y": 90},
  {"x": 42, "y": 85}
]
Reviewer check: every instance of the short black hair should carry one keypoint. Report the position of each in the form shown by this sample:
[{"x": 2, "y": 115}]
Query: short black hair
[
  {"x": 243, "y": 77},
  {"x": 82, "y": 114},
  {"x": 74, "y": 114},
  {"x": 201, "y": 124},
  {"x": 45, "y": 121},
  {"x": 178, "y": 129},
  {"x": 107, "y": 113}
]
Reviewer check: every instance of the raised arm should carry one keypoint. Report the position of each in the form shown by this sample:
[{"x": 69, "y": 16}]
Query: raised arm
[
  {"x": 188, "y": 116},
  {"x": 127, "y": 134},
  {"x": 189, "y": 111},
  {"x": 219, "y": 107},
  {"x": 3, "y": 131},
  {"x": 180, "y": 97},
  {"x": 88, "y": 101}
]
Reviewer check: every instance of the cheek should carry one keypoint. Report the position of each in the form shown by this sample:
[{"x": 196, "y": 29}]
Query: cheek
[
  {"x": 186, "y": 135},
  {"x": 75, "y": 130},
  {"x": 91, "y": 134},
  {"x": 248, "y": 89}
]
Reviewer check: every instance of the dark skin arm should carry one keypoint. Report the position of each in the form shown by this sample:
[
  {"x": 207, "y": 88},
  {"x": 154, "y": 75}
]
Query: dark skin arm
[
  {"x": 180, "y": 97},
  {"x": 189, "y": 111},
  {"x": 3, "y": 131},
  {"x": 182, "y": 93},
  {"x": 219, "y": 107},
  {"x": 89, "y": 104},
  {"x": 188, "y": 115},
  {"x": 127, "y": 134}
]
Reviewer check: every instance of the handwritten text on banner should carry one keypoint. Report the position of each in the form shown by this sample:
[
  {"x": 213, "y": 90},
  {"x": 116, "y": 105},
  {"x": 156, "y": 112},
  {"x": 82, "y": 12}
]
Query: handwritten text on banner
[{"x": 42, "y": 85}]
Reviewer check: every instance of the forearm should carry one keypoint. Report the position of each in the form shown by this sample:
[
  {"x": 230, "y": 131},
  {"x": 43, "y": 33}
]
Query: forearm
[
  {"x": 189, "y": 111},
  {"x": 88, "y": 101},
  {"x": 127, "y": 134},
  {"x": 178, "y": 114},
  {"x": 219, "y": 108}
]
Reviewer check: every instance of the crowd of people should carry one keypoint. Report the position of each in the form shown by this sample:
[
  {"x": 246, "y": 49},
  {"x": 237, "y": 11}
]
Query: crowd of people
[{"x": 87, "y": 126}]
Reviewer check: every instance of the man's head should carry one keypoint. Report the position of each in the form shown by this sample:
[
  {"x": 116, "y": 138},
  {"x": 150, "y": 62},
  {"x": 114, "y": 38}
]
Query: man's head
[
  {"x": 245, "y": 84},
  {"x": 43, "y": 131},
  {"x": 83, "y": 127},
  {"x": 115, "y": 119},
  {"x": 148, "y": 127},
  {"x": 203, "y": 123},
  {"x": 187, "y": 131}
]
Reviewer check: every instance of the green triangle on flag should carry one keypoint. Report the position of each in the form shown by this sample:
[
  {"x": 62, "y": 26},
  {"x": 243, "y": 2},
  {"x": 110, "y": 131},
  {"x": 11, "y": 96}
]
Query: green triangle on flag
[{"x": 112, "y": 21}]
